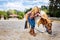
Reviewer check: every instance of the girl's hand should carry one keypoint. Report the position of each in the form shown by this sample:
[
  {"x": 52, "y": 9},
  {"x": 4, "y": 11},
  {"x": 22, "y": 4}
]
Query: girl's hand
[{"x": 36, "y": 15}]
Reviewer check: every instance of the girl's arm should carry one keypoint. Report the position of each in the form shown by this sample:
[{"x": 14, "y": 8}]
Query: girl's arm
[{"x": 27, "y": 15}]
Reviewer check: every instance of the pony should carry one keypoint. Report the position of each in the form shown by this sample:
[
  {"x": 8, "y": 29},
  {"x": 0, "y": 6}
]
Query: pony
[{"x": 47, "y": 24}]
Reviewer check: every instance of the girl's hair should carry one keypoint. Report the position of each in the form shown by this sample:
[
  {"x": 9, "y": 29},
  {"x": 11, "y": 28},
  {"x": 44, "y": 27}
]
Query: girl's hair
[{"x": 35, "y": 8}]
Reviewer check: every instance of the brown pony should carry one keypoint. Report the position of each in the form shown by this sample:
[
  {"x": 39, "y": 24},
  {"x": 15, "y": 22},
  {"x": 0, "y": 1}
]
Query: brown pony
[{"x": 47, "y": 24}]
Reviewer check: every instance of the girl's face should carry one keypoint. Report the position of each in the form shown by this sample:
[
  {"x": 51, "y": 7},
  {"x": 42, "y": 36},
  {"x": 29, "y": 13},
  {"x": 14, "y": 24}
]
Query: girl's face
[{"x": 36, "y": 11}]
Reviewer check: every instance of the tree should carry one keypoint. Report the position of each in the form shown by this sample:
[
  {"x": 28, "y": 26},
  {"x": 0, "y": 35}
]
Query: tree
[
  {"x": 54, "y": 8},
  {"x": 4, "y": 14},
  {"x": 45, "y": 8},
  {"x": 20, "y": 14},
  {"x": 11, "y": 12}
]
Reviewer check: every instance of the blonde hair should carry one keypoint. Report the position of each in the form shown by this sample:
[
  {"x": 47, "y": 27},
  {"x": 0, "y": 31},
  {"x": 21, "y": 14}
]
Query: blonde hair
[{"x": 35, "y": 8}]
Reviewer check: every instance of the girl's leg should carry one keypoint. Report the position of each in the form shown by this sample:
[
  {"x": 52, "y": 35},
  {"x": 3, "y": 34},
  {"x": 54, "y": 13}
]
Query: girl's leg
[{"x": 32, "y": 23}]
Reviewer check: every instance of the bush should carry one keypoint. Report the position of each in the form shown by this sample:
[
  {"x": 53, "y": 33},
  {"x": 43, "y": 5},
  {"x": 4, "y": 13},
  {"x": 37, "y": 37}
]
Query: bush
[
  {"x": 20, "y": 15},
  {"x": 57, "y": 13},
  {"x": 4, "y": 14}
]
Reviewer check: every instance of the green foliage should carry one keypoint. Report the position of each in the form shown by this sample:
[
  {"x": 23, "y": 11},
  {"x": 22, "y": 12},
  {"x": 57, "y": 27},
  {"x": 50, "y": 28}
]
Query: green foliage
[
  {"x": 4, "y": 14},
  {"x": 20, "y": 15},
  {"x": 57, "y": 13},
  {"x": 44, "y": 8},
  {"x": 12, "y": 11},
  {"x": 54, "y": 8}
]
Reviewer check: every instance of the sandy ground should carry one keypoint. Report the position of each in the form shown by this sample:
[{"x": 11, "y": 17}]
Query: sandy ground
[{"x": 23, "y": 34}]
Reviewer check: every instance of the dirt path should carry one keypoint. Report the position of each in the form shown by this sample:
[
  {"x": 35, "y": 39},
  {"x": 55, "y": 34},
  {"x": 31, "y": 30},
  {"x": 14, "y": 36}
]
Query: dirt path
[{"x": 23, "y": 34}]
